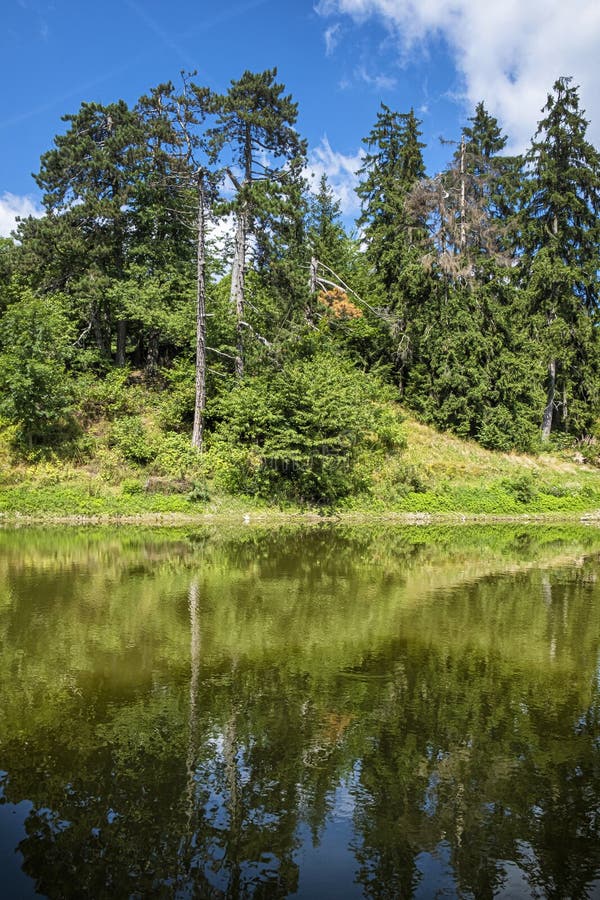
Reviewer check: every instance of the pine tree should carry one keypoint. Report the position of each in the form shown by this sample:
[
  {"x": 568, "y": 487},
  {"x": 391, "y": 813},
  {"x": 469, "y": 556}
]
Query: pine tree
[
  {"x": 88, "y": 180},
  {"x": 560, "y": 239},
  {"x": 255, "y": 138}
]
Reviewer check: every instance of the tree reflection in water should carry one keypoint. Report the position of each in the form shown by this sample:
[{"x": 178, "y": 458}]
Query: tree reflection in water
[{"x": 199, "y": 715}]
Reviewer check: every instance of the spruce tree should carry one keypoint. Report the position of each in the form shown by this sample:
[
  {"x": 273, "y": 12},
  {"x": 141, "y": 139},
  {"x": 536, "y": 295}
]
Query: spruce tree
[
  {"x": 392, "y": 165},
  {"x": 326, "y": 234},
  {"x": 560, "y": 238},
  {"x": 470, "y": 368}
]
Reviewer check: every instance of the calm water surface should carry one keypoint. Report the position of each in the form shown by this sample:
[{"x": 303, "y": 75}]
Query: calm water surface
[{"x": 324, "y": 712}]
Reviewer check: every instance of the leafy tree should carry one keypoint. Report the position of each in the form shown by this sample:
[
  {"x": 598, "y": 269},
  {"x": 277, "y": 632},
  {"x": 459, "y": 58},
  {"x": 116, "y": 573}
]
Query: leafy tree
[
  {"x": 560, "y": 238},
  {"x": 35, "y": 388}
]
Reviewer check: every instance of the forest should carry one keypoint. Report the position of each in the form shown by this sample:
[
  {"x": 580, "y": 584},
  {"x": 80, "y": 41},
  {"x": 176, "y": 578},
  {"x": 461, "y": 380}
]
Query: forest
[{"x": 191, "y": 304}]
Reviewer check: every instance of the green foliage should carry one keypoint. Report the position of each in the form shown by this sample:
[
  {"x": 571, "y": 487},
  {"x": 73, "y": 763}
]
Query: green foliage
[
  {"x": 166, "y": 453},
  {"x": 130, "y": 437},
  {"x": 311, "y": 432},
  {"x": 176, "y": 410},
  {"x": 508, "y": 429},
  {"x": 560, "y": 235},
  {"x": 131, "y": 486},
  {"x": 199, "y": 492},
  {"x": 174, "y": 456},
  {"x": 106, "y": 395},
  {"x": 36, "y": 390},
  {"x": 475, "y": 292},
  {"x": 522, "y": 486}
]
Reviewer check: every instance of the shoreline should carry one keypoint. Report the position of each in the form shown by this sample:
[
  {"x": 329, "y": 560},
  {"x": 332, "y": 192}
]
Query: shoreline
[{"x": 279, "y": 518}]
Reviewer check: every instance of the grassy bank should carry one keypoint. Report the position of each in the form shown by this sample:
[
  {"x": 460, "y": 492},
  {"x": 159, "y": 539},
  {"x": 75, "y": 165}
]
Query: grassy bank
[{"x": 444, "y": 477}]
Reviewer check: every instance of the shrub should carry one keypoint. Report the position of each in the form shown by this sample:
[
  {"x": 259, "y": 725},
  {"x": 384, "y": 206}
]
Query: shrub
[
  {"x": 522, "y": 487},
  {"x": 129, "y": 436},
  {"x": 304, "y": 432},
  {"x": 106, "y": 396},
  {"x": 131, "y": 486},
  {"x": 176, "y": 412},
  {"x": 35, "y": 388},
  {"x": 175, "y": 456}
]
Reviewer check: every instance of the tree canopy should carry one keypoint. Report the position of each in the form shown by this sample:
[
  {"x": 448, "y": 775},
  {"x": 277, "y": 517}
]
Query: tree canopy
[{"x": 180, "y": 240}]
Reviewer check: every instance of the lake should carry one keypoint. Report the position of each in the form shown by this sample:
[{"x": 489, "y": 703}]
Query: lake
[{"x": 307, "y": 712}]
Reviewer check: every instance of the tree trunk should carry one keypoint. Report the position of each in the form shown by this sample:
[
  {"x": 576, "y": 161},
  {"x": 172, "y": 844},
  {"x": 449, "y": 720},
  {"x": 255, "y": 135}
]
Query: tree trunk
[
  {"x": 121, "y": 341},
  {"x": 549, "y": 410},
  {"x": 237, "y": 286},
  {"x": 462, "y": 235},
  {"x": 152, "y": 355},
  {"x": 200, "y": 401}
]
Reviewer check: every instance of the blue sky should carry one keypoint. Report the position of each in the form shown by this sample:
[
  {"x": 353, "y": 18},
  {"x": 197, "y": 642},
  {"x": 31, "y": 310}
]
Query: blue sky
[{"x": 338, "y": 58}]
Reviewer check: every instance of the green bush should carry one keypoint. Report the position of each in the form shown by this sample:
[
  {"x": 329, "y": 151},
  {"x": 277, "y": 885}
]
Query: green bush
[
  {"x": 36, "y": 390},
  {"x": 311, "y": 432},
  {"x": 522, "y": 487},
  {"x": 176, "y": 411},
  {"x": 174, "y": 456},
  {"x": 129, "y": 436},
  {"x": 106, "y": 396},
  {"x": 199, "y": 493},
  {"x": 131, "y": 486}
]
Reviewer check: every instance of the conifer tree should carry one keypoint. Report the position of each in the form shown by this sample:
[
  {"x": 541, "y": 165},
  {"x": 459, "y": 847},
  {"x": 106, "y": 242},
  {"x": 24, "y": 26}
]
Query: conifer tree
[
  {"x": 255, "y": 138},
  {"x": 392, "y": 165},
  {"x": 88, "y": 180},
  {"x": 560, "y": 237},
  {"x": 326, "y": 234}
]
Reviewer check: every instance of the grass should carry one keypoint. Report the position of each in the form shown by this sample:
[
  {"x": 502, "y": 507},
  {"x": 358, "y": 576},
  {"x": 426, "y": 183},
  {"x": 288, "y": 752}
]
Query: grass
[{"x": 438, "y": 475}]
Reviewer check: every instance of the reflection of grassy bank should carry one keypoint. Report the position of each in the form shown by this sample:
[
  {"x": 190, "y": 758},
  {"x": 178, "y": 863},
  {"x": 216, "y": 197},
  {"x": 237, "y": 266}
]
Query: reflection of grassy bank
[{"x": 114, "y": 604}]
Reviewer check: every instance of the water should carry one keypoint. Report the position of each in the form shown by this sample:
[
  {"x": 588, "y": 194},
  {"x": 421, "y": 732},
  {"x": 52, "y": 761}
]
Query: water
[{"x": 325, "y": 712}]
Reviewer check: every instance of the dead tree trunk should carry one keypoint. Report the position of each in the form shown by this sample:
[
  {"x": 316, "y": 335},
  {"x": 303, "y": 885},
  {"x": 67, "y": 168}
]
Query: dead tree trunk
[
  {"x": 200, "y": 401},
  {"x": 463, "y": 203},
  {"x": 238, "y": 276},
  {"x": 549, "y": 410}
]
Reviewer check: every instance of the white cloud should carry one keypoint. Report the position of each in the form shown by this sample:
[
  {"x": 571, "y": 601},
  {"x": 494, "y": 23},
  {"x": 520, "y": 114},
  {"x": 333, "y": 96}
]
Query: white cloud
[
  {"x": 12, "y": 206},
  {"x": 340, "y": 170},
  {"x": 332, "y": 37},
  {"x": 379, "y": 81},
  {"x": 509, "y": 54}
]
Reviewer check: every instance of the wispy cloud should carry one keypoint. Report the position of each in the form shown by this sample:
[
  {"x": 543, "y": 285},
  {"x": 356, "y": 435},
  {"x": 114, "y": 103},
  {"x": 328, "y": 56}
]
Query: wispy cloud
[
  {"x": 332, "y": 37},
  {"x": 12, "y": 206},
  {"x": 508, "y": 54},
  {"x": 341, "y": 171},
  {"x": 379, "y": 81}
]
